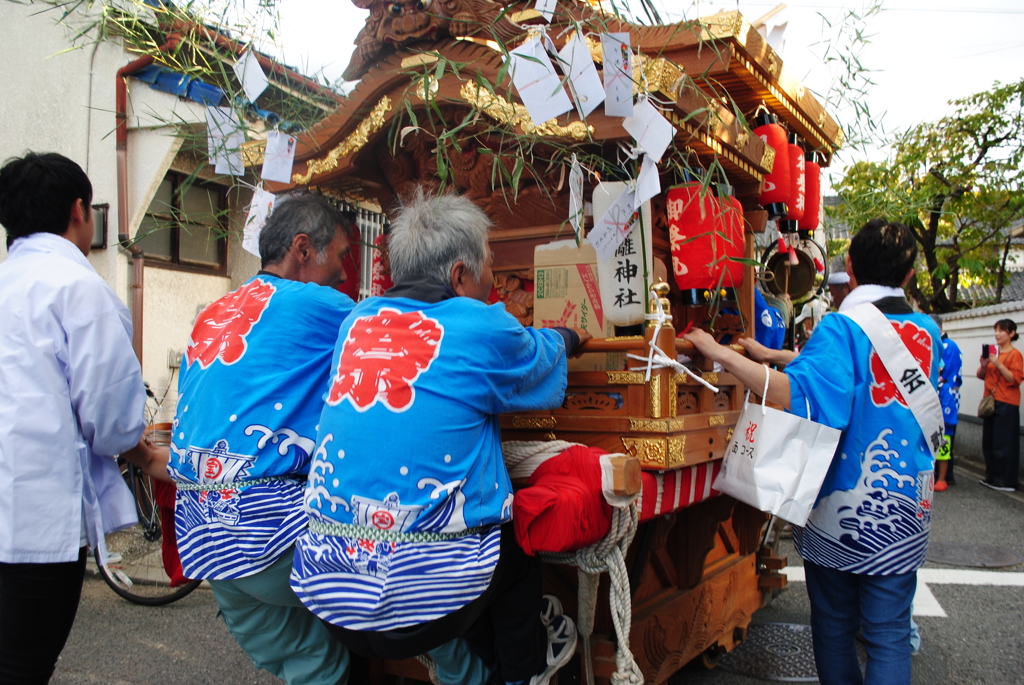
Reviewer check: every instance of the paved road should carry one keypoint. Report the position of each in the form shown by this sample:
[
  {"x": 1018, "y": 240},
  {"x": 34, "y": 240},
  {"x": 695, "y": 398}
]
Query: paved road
[{"x": 973, "y": 631}]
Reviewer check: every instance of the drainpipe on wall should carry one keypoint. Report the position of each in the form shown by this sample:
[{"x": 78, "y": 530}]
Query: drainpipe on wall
[{"x": 138, "y": 258}]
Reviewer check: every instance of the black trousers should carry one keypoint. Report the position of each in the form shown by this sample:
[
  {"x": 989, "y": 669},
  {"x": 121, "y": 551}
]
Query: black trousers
[
  {"x": 502, "y": 625},
  {"x": 38, "y": 603},
  {"x": 1000, "y": 445}
]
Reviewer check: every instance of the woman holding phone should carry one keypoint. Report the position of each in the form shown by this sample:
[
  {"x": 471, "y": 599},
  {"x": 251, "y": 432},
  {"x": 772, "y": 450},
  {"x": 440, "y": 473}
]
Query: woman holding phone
[{"x": 1002, "y": 369}]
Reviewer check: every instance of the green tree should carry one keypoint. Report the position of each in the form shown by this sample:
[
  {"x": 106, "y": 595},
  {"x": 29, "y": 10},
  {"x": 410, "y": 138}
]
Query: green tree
[{"x": 957, "y": 183}]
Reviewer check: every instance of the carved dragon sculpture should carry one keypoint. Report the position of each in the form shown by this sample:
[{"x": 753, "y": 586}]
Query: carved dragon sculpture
[{"x": 395, "y": 24}]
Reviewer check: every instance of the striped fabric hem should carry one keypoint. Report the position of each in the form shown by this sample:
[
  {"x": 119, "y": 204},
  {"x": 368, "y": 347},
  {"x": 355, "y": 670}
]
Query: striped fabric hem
[{"x": 367, "y": 585}]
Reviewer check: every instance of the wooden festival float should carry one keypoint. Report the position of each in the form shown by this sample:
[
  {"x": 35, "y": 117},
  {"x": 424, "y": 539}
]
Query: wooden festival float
[{"x": 697, "y": 570}]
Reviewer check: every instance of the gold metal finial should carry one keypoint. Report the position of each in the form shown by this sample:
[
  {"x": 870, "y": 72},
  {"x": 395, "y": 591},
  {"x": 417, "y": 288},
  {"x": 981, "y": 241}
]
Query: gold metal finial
[{"x": 659, "y": 293}]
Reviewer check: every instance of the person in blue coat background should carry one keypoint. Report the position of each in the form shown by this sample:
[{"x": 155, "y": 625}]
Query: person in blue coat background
[{"x": 950, "y": 381}]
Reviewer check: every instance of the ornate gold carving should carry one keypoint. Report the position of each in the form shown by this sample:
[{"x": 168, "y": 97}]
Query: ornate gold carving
[
  {"x": 773, "y": 63},
  {"x": 655, "y": 389},
  {"x": 596, "y": 51},
  {"x": 524, "y": 15},
  {"x": 419, "y": 60},
  {"x": 676, "y": 446},
  {"x": 253, "y": 152},
  {"x": 654, "y": 426},
  {"x": 421, "y": 92},
  {"x": 742, "y": 138},
  {"x": 534, "y": 422},
  {"x": 821, "y": 118},
  {"x": 673, "y": 397},
  {"x": 550, "y": 437},
  {"x": 714, "y": 144},
  {"x": 768, "y": 158},
  {"x": 657, "y": 453},
  {"x": 728, "y": 433},
  {"x": 711, "y": 377},
  {"x": 630, "y": 338},
  {"x": 352, "y": 143},
  {"x": 514, "y": 114},
  {"x": 625, "y": 378},
  {"x": 661, "y": 75},
  {"x": 716, "y": 420},
  {"x": 725, "y": 25}
]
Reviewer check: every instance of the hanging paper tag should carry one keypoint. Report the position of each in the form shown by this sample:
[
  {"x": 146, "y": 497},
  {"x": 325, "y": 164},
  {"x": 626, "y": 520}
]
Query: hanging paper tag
[
  {"x": 229, "y": 156},
  {"x": 652, "y": 131},
  {"x": 538, "y": 85},
  {"x": 279, "y": 157},
  {"x": 584, "y": 83},
  {"x": 250, "y": 73},
  {"x": 576, "y": 199},
  {"x": 648, "y": 184},
  {"x": 546, "y": 8},
  {"x": 618, "y": 75},
  {"x": 612, "y": 228},
  {"x": 259, "y": 211},
  {"x": 221, "y": 122}
]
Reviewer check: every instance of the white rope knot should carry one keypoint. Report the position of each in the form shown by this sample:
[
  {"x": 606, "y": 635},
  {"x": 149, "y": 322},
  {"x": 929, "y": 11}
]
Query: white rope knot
[{"x": 656, "y": 357}]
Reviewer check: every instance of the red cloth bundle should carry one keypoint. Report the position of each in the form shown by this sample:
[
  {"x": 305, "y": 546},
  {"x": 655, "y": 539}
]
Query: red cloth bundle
[
  {"x": 812, "y": 212},
  {"x": 164, "y": 494},
  {"x": 563, "y": 509}
]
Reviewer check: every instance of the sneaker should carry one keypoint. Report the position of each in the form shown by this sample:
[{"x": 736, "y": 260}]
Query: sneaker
[
  {"x": 1000, "y": 488},
  {"x": 940, "y": 486},
  {"x": 550, "y": 608},
  {"x": 561, "y": 647}
]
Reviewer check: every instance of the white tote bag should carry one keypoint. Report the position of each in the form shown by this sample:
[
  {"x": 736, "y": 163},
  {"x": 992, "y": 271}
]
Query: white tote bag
[{"x": 776, "y": 461}]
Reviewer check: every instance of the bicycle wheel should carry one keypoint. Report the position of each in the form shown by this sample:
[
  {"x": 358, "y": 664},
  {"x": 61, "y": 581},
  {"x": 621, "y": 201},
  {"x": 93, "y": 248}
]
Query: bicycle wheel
[{"x": 135, "y": 569}]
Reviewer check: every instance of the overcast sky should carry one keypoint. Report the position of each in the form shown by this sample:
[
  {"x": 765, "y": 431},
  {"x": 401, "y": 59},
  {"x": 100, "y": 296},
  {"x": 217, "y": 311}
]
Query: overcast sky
[{"x": 922, "y": 53}]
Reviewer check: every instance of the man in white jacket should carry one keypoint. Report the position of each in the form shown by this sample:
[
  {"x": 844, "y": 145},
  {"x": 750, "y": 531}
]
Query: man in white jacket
[{"x": 71, "y": 397}]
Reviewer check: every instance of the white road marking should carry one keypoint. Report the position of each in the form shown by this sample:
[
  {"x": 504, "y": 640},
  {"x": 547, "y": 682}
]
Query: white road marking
[{"x": 925, "y": 603}]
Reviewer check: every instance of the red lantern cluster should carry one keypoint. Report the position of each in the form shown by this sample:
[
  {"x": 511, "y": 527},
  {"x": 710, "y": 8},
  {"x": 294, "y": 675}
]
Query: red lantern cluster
[{"x": 705, "y": 231}]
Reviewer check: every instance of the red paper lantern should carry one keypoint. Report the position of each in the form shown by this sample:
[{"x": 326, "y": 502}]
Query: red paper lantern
[
  {"x": 796, "y": 175},
  {"x": 778, "y": 186},
  {"x": 812, "y": 212},
  {"x": 704, "y": 231}
]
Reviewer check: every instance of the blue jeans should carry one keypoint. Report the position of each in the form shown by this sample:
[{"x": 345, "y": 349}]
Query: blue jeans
[{"x": 842, "y": 602}]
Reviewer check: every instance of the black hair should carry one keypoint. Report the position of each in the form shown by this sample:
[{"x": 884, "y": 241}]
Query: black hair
[
  {"x": 1008, "y": 325},
  {"x": 37, "y": 192},
  {"x": 882, "y": 253},
  {"x": 309, "y": 214}
]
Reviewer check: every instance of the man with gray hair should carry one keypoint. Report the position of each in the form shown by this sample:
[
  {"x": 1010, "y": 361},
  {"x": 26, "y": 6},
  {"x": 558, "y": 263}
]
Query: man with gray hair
[
  {"x": 250, "y": 391},
  {"x": 409, "y": 543}
]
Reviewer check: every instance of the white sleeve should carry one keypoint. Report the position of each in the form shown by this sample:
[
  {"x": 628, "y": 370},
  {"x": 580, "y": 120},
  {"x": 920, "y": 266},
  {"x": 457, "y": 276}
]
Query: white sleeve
[{"x": 104, "y": 377}]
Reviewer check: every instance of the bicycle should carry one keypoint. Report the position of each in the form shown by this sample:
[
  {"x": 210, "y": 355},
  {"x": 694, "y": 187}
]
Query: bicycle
[{"x": 135, "y": 568}]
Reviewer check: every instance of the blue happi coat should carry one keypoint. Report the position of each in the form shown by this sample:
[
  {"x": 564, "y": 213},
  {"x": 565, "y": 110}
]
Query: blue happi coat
[
  {"x": 250, "y": 394},
  {"x": 873, "y": 512},
  {"x": 950, "y": 381},
  {"x": 409, "y": 446}
]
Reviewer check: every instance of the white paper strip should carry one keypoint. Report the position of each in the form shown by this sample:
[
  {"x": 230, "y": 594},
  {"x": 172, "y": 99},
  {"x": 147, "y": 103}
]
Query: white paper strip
[
  {"x": 576, "y": 199},
  {"x": 539, "y": 87},
  {"x": 648, "y": 184},
  {"x": 618, "y": 75},
  {"x": 250, "y": 73},
  {"x": 259, "y": 211},
  {"x": 652, "y": 131},
  {"x": 279, "y": 157},
  {"x": 221, "y": 122},
  {"x": 229, "y": 156},
  {"x": 584, "y": 82},
  {"x": 546, "y": 8}
]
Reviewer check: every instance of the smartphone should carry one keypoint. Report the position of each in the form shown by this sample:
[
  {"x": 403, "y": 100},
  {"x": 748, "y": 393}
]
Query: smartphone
[{"x": 984, "y": 351}]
